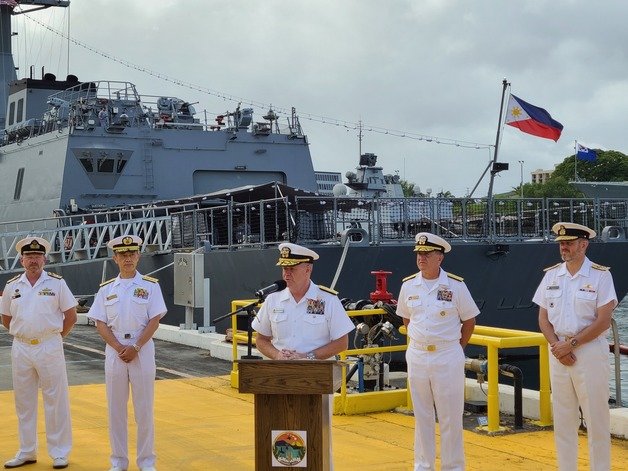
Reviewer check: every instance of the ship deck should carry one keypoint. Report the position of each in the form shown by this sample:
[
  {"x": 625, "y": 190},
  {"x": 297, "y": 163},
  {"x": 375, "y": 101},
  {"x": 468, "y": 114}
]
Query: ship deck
[{"x": 204, "y": 424}]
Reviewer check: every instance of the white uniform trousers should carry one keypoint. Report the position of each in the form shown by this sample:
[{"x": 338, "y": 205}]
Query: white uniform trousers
[
  {"x": 584, "y": 383},
  {"x": 35, "y": 366},
  {"x": 436, "y": 378},
  {"x": 140, "y": 375}
]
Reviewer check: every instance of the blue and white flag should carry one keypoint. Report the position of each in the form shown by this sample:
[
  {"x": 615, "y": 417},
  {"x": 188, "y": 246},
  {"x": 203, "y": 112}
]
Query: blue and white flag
[{"x": 586, "y": 154}]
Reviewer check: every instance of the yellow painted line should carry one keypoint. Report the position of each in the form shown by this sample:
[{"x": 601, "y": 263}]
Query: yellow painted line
[{"x": 204, "y": 424}]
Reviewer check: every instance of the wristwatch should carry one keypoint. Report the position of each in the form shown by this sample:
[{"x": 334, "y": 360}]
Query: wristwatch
[
  {"x": 310, "y": 356},
  {"x": 573, "y": 342},
  {"x": 136, "y": 347}
]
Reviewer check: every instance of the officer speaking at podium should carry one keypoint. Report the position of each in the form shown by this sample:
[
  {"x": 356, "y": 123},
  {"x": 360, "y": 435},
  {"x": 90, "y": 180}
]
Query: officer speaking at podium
[{"x": 304, "y": 321}]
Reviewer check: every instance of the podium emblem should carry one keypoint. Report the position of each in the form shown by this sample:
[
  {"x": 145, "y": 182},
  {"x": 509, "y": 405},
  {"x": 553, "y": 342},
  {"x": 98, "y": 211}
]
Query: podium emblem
[{"x": 289, "y": 448}]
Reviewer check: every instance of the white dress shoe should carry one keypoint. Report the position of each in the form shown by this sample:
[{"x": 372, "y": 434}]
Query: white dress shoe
[
  {"x": 116, "y": 468},
  {"x": 148, "y": 468},
  {"x": 60, "y": 463},
  {"x": 20, "y": 461}
]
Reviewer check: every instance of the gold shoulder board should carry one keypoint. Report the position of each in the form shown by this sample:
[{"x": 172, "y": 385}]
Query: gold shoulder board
[
  {"x": 409, "y": 277},
  {"x": 54, "y": 275},
  {"x": 14, "y": 278},
  {"x": 328, "y": 290},
  {"x": 150, "y": 278},
  {"x": 553, "y": 266},
  {"x": 600, "y": 267},
  {"x": 455, "y": 277},
  {"x": 106, "y": 282}
]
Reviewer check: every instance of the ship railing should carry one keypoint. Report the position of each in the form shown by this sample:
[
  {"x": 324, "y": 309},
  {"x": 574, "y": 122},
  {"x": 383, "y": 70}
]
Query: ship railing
[
  {"x": 84, "y": 236},
  {"x": 323, "y": 219},
  {"x": 234, "y": 225}
]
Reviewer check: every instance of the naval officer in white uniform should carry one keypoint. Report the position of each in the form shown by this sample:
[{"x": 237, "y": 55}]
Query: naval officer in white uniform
[
  {"x": 304, "y": 321},
  {"x": 576, "y": 299},
  {"x": 439, "y": 312},
  {"x": 127, "y": 310},
  {"x": 39, "y": 310}
]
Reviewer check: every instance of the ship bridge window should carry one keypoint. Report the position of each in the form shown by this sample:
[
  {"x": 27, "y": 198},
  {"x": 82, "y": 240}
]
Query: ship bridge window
[
  {"x": 18, "y": 184},
  {"x": 105, "y": 165},
  {"x": 20, "y": 110},
  {"x": 87, "y": 165},
  {"x": 121, "y": 164},
  {"x": 11, "y": 113}
]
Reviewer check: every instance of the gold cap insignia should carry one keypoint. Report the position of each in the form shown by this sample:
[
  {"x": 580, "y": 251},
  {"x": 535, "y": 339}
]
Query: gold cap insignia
[
  {"x": 34, "y": 245},
  {"x": 562, "y": 230},
  {"x": 422, "y": 240},
  {"x": 285, "y": 252},
  {"x": 127, "y": 240}
]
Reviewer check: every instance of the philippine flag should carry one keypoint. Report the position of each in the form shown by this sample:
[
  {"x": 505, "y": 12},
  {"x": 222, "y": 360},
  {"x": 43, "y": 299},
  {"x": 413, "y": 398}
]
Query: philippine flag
[{"x": 532, "y": 119}]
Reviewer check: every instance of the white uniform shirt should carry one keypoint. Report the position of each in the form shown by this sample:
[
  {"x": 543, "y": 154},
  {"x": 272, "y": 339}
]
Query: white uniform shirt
[
  {"x": 571, "y": 301},
  {"x": 37, "y": 310},
  {"x": 317, "y": 319},
  {"x": 128, "y": 307},
  {"x": 435, "y": 312}
]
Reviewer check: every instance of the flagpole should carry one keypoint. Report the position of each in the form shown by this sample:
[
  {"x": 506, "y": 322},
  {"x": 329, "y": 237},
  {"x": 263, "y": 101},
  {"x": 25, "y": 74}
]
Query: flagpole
[
  {"x": 575, "y": 160},
  {"x": 489, "y": 198},
  {"x": 499, "y": 127}
]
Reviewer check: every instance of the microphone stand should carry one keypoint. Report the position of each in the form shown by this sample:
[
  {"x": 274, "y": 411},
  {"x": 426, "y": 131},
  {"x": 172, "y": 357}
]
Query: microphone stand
[{"x": 250, "y": 313}]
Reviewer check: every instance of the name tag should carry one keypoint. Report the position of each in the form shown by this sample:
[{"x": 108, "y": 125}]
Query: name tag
[
  {"x": 112, "y": 296},
  {"x": 277, "y": 310},
  {"x": 553, "y": 287}
]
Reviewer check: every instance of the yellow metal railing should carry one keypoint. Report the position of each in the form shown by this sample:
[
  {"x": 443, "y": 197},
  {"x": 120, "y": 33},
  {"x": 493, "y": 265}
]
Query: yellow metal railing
[{"x": 493, "y": 338}]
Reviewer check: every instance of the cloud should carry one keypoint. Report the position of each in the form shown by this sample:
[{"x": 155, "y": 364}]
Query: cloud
[{"x": 427, "y": 67}]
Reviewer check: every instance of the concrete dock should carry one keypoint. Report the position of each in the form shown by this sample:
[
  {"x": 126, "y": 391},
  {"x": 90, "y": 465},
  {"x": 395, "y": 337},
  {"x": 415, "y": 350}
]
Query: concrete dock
[{"x": 204, "y": 424}]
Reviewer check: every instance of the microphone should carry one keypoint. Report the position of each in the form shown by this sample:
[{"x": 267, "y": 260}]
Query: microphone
[{"x": 278, "y": 285}]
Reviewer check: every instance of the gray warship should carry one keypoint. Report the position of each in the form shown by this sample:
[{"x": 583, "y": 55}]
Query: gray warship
[{"x": 82, "y": 162}]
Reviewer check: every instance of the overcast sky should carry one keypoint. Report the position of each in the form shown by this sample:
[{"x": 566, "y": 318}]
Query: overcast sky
[{"x": 427, "y": 67}]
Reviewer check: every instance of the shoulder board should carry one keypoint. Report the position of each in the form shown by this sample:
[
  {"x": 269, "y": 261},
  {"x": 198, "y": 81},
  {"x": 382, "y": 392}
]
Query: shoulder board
[
  {"x": 455, "y": 277},
  {"x": 14, "y": 278},
  {"x": 600, "y": 267},
  {"x": 107, "y": 282},
  {"x": 328, "y": 290},
  {"x": 553, "y": 266},
  {"x": 54, "y": 275},
  {"x": 150, "y": 278},
  {"x": 409, "y": 277}
]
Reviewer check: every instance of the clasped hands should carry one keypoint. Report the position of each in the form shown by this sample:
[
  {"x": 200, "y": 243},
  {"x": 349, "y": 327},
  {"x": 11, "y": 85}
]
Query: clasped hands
[
  {"x": 285, "y": 354},
  {"x": 563, "y": 351},
  {"x": 127, "y": 353}
]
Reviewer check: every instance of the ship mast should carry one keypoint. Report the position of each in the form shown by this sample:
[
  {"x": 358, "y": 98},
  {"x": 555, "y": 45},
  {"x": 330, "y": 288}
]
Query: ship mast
[{"x": 7, "y": 64}]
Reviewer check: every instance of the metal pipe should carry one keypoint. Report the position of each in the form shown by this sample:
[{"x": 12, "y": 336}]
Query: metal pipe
[{"x": 516, "y": 375}]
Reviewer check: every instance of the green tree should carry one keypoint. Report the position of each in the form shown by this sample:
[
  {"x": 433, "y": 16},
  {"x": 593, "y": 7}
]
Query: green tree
[
  {"x": 609, "y": 166},
  {"x": 408, "y": 188}
]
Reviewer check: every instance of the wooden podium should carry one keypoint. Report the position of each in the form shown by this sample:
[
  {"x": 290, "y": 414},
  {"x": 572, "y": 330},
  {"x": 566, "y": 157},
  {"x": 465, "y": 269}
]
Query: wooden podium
[{"x": 290, "y": 395}]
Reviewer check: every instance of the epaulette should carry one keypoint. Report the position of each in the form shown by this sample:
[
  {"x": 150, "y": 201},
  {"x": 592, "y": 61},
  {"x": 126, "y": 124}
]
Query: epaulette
[
  {"x": 455, "y": 277},
  {"x": 409, "y": 277},
  {"x": 553, "y": 266},
  {"x": 600, "y": 267},
  {"x": 54, "y": 275},
  {"x": 107, "y": 282},
  {"x": 14, "y": 278},
  {"x": 328, "y": 290},
  {"x": 150, "y": 278}
]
